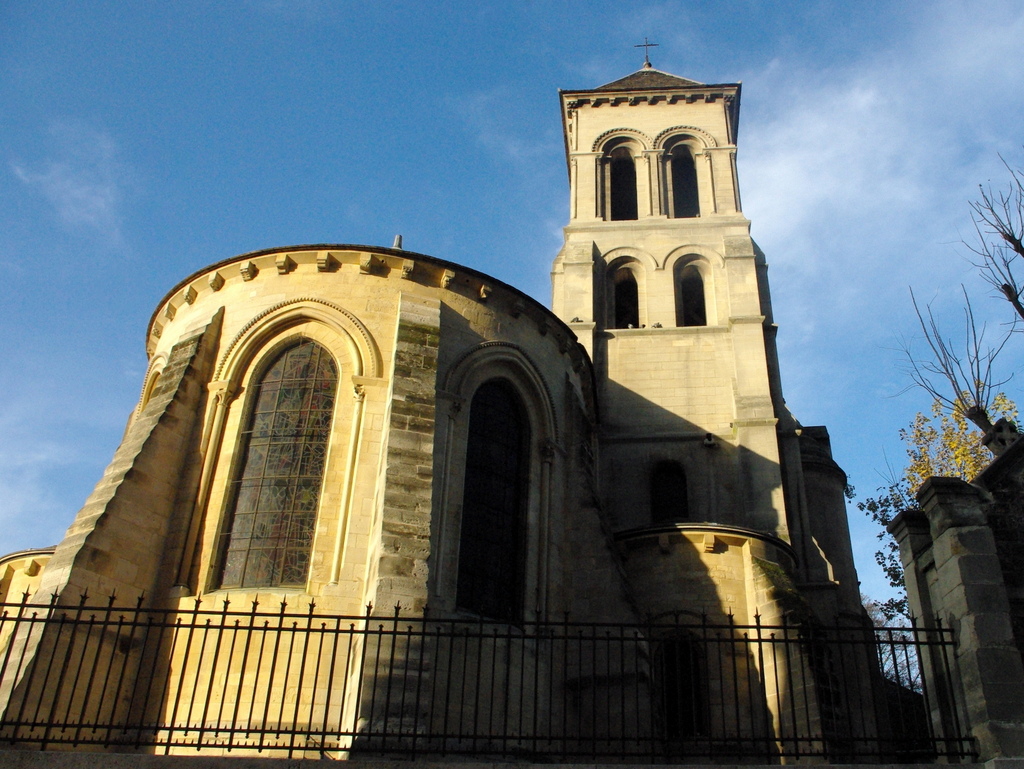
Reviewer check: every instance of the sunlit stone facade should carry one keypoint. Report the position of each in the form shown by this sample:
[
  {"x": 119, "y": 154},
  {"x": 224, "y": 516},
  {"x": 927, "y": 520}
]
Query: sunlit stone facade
[{"x": 351, "y": 425}]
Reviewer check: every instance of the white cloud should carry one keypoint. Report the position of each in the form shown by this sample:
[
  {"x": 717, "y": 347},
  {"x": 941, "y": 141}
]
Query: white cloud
[
  {"x": 82, "y": 180},
  {"x": 486, "y": 116},
  {"x": 30, "y": 510},
  {"x": 857, "y": 179}
]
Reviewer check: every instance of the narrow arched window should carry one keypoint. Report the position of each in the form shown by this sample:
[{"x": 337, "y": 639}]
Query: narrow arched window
[
  {"x": 683, "y": 175},
  {"x": 492, "y": 541},
  {"x": 276, "y": 491},
  {"x": 669, "y": 501},
  {"x": 691, "y": 309},
  {"x": 621, "y": 190},
  {"x": 627, "y": 300}
]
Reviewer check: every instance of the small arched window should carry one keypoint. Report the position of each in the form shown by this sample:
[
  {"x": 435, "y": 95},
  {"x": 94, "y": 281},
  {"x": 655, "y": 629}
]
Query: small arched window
[
  {"x": 276, "y": 491},
  {"x": 150, "y": 388},
  {"x": 691, "y": 309},
  {"x": 492, "y": 541},
  {"x": 620, "y": 185},
  {"x": 669, "y": 501},
  {"x": 683, "y": 183},
  {"x": 626, "y": 299}
]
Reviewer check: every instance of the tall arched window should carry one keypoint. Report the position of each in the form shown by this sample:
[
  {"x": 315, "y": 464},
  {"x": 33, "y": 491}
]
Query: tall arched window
[
  {"x": 492, "y": 542},
  {"x": 276, "y": 490},
  {"x": 620, "y": 185},
  {"x": 626, "y": 299},
  {"x": 683, "y": 182},
  {"x": 681, "y": 682},
  {"x": 669, "y": 501},
  {"x": 691, "y": 309}
]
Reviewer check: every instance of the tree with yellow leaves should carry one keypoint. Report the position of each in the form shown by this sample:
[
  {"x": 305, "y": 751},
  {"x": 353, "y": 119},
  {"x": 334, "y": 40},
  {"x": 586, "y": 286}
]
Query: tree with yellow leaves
[{"x": 944, "y": 444}]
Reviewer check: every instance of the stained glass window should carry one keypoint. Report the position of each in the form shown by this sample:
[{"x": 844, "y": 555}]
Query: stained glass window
[
  {"x": 491, "y": 544},
  {"x": 277, "y": 488}
]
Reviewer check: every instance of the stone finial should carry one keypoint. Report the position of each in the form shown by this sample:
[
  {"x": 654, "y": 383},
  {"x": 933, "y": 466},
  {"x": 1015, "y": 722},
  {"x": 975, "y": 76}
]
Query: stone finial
[
  {"x": 285, "y": 264},
  {"x": 249, "y": 270},
  {"x": 1002, "y": 435},
  {"x": 216, "y": 281},
  {"x": 189, "y": 295}
]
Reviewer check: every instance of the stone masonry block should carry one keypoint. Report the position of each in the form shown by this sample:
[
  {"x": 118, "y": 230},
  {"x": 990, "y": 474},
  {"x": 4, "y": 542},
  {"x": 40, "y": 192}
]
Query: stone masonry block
[{"x": 980, "y": 569}]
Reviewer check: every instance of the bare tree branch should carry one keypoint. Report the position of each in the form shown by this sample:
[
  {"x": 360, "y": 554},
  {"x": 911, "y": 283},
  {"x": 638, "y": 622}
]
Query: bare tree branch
[
  {"x": 963, "y": 383},
  {"x": 999, "y": 223}
]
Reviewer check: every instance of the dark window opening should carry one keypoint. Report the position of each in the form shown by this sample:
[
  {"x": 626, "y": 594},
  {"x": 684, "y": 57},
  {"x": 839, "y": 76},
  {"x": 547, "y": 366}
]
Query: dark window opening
[
  {"x": 685, "y": 201},
  {"x": 669, "y": 501},
  {"x": 277, "y": 489},
  {"x": 690, "y": 307},
  {"x": 627, "y": 300},
  {"x": 682, "y": 700},
  {"x": 622, "y": 186},
  {"x": 492, "y": 541}
]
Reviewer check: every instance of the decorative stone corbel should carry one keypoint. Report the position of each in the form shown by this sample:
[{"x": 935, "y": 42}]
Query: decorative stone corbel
[
  {"x": 189, "y": 295},
  {"x": 216, "y": 281},
  {"x": 548, "y": 450},
  {"x": 368, "y": 263},
  {"x": 325, "y": 262},
  {"x": 248, "y": 271},
  {"x": 169, "y": 311},
  {"x": 285, "y": 264},
  {"x": 485, "y": 291},
  {"x": 408, "y": 265},
  {"x": 446, "y": 278}
]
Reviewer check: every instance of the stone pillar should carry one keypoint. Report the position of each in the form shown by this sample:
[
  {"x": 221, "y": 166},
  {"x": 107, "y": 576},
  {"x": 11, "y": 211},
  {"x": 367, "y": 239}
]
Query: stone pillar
[
  {"x": 409, "y": 425},
  {"x": 959, "y": 578}
]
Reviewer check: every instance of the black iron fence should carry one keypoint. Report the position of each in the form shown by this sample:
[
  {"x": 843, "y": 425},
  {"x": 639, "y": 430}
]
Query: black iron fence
[{"x": 310, "y": 684}]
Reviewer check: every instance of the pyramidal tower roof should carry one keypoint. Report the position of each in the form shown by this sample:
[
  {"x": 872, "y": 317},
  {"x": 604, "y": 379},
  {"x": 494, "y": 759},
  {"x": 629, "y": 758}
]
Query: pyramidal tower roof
[{"x": 647, "y": 77}]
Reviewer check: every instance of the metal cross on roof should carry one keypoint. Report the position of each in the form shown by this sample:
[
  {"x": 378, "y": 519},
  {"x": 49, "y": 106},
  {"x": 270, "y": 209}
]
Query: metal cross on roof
[{"x": 646, "y": 46}]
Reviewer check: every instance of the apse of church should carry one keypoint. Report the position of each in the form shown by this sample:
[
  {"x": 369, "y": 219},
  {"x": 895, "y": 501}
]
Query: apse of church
[{"x": 368, "y": 433}]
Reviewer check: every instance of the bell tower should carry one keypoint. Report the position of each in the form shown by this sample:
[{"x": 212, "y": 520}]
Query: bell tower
[{"x": 664, "y": 286}]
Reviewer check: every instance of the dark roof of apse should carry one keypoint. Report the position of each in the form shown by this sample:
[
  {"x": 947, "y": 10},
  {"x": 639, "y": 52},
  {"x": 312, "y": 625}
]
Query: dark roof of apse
[{"x": 648, "y": 77}]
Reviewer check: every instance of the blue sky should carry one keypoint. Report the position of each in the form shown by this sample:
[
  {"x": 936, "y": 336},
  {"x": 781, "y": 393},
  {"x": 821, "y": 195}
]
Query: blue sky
[{"x": 142, "y": 141}]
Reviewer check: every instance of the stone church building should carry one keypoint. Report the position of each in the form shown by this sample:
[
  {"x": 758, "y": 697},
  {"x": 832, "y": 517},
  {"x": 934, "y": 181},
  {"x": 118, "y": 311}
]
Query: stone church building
[
  {"x": 350, "y": 426},
  {"x": 369, "y": 425}
]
